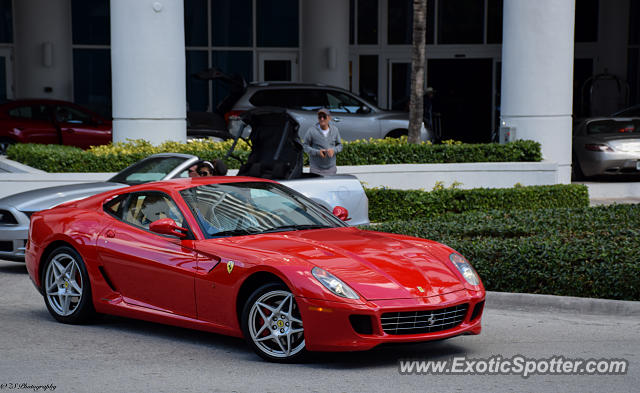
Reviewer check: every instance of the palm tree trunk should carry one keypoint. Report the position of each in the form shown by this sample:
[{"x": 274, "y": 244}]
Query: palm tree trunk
[{"x": 418, "y": 61}]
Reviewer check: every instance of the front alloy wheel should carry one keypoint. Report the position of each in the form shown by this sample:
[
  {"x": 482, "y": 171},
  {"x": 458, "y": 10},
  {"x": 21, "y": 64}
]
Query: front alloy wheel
[
  {"x": 67, "y": 293},
  {"x": 272, "y": 324}
]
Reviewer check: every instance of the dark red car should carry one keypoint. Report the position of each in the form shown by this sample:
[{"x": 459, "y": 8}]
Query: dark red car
[{"x": 51, "y": 121}]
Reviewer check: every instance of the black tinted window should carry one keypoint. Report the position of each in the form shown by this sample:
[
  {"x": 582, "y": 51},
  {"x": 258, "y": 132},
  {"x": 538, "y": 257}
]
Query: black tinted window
[
  {"x": 33, "y": 112},
  {"x": 305, "y": 99}
]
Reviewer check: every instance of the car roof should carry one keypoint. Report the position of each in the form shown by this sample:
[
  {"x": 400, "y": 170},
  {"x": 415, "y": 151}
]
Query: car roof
[{"x": 291, "y": 85}]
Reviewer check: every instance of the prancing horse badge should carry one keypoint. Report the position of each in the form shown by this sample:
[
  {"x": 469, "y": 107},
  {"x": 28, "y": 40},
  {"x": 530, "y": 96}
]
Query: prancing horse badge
[{"x": 230, "y": 265}]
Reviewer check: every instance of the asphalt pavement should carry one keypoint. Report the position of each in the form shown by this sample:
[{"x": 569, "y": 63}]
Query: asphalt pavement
[{"x": 115, "y": 354}]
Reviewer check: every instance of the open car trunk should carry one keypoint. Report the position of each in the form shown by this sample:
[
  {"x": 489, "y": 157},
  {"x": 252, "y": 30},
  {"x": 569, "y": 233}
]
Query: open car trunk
[{"x": 276, "y": 149}]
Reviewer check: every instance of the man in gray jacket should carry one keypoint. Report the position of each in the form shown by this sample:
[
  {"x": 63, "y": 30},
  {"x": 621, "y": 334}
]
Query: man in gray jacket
[{"x": 322, "y": 143}]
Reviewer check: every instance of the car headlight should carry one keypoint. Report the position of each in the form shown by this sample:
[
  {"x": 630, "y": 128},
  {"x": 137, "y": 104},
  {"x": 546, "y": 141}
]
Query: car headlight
[
  {"x": 465, "y": 268},
  {"x": 334, "y": 284}
]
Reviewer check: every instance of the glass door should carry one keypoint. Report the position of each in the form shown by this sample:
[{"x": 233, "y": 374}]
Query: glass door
[
  {"x": 278, "y": 67},
  {"x": 399, "y": 84}
]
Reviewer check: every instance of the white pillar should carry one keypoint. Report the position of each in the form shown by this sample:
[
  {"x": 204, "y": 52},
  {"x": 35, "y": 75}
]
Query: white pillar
[
  {"x": 537, "y": 76},
  {"x": 325, "y": 42},
  {"x": 43, "y": 54},
  {"x": 148, "y": 70}
]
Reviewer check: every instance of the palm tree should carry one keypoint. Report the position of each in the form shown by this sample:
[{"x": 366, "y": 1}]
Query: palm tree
[{"x": 417, "y": 69}]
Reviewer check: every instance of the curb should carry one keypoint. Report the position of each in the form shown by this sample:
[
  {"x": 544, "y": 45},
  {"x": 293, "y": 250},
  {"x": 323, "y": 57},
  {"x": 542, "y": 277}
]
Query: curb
[
  {"x": 11, "y": 166},
  {"x": 577, "y": 305}
]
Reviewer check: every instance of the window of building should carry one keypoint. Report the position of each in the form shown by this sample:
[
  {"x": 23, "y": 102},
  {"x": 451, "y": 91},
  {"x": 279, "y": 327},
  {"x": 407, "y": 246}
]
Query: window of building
[
  {"x": 369, "y": 78},
  {"x": 367, "y": 11},
  {"x": 494, "y": 21},
  {"x": 277, "y": 23},
  {"x": 231, "y": 62},
  {"x": 232, "y": 23},
  {"x": 6, "y": 22},
  {"x": 92, "y": 79},
  {"x": 195, "y": 23},
  {"x": 400, "y": 19},
  {"x": 634, "y": 23},
  {"x": 460, "y": 22},
  {"x": 352, "y": 21},
  {"x": 197, "y": 89},
  {"x": 91, "y": 22},
  {"x": 586, "y": 24}
]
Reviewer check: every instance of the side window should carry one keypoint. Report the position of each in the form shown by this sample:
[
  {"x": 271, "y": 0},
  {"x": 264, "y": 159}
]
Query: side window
[
  {"x": 144, "y": 208},
  {"x": 342, "y": 103},
  {"x": 114, "y": 206},
  {"x": 30, "y": 112},
  {"x": 309, "y": 100},
  {"x": 267, "y": 98},
  {"x": 67, "y": 114},
  {"x": 21, "y": 112}
]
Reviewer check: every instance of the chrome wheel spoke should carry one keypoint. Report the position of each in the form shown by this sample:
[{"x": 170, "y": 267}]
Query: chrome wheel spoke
[{"x": 63, "y": 284}]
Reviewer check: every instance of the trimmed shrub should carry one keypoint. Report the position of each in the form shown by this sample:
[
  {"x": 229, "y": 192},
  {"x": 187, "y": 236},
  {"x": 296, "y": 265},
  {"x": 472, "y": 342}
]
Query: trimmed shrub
[
  {"x": 392, "y": 205},
  {"x": 115, "y": 157},
  {"x": 587, "y": 252}
]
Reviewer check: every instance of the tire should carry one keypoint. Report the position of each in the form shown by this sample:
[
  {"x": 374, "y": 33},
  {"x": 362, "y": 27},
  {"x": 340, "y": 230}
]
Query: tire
[
  {"x": 576, "y": 171},
  {"x": 4, "y": 144},
  {"x": 282, "y": 339},
  {"x": 66, "y": 287},
  {"x": 397, "y": 133}
]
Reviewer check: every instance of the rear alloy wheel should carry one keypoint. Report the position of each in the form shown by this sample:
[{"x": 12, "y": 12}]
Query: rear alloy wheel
[
  {"x": 272, "y": 324},
  {"x": 67, "y": 292}
]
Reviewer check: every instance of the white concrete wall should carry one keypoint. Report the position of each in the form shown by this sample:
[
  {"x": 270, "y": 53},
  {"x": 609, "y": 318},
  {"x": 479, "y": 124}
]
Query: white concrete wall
[
  {"x": 325, "y": 42},
  {"x": 148, "y": 70},
  {"x": 404, "y": 176},
  {"x": 43, "y": 54},
  {"x": 537, "y": 76}
]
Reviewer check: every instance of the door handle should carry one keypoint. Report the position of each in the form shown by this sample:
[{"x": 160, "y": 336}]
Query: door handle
[{"x": 110, "y": 234}]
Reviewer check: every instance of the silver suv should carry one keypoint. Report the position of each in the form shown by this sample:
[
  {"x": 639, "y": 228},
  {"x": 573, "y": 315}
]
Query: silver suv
[{"x": 354, "y": 117}]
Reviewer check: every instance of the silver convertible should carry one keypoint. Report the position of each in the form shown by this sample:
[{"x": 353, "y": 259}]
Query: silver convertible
[{"x": 275, "y": 155}]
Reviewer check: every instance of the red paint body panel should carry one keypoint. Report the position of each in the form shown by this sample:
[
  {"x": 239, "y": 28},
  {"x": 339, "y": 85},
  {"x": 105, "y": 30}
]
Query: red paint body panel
[{"x": 139, "y": 274}]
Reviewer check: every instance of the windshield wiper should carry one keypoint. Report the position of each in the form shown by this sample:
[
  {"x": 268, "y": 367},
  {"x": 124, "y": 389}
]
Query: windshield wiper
[
  {"x": 235, "y": 232},
  {"x": 295, "y": 228}
]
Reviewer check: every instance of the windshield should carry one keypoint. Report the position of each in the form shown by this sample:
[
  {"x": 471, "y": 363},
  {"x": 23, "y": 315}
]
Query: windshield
[
  {"x": 611, "y": 126},
  {"x": 236, "y": 209},
  {"x": 152, "y": 169}
]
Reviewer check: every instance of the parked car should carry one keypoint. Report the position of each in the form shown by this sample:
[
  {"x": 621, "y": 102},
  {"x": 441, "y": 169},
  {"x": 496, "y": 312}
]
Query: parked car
[
  {"x": 51, "y": 122},
  {"x": 355, "y": 118},
  {"x": 248, "y": 258},
  {"x": 270, "y": 129},
  {"x": 606, "y": 146}
]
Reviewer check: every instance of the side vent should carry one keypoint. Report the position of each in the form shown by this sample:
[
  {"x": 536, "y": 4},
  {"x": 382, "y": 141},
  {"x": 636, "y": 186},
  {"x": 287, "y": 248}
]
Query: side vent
[{"x": 106, "y": 279}]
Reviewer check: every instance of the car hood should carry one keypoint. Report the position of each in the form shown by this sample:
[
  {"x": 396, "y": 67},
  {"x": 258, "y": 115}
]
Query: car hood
[
  {"x": 45, "y": 198},
  {"x": 375, "y": 265}
]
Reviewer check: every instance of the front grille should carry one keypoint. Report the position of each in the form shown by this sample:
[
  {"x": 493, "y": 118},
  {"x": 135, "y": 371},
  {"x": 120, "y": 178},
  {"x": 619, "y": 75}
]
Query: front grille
[
  {"x": 6, "y": 246},
  {"x": 418, "y": 322},
  {"x": 7, "y": 218}
]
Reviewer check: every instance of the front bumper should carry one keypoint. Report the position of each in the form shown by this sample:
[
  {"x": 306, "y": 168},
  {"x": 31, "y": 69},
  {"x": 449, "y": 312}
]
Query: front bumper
[
  {"x": 328, "y": 327},
  {"x": 13, "y": 236}
]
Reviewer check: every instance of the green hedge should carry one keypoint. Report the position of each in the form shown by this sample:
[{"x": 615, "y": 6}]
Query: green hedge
[
  {"x": 587, "y": 252},
  {"x": 392, "y": 205},
  {"x": 113, "y": 158}
]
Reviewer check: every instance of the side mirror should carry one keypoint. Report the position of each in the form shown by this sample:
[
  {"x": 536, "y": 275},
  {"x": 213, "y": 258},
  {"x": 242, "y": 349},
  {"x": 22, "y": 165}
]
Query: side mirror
[
  {"x": 364, "y": 110},
  {"x": 166, "y": 226},
  {"x": 341, "y": 213}
]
